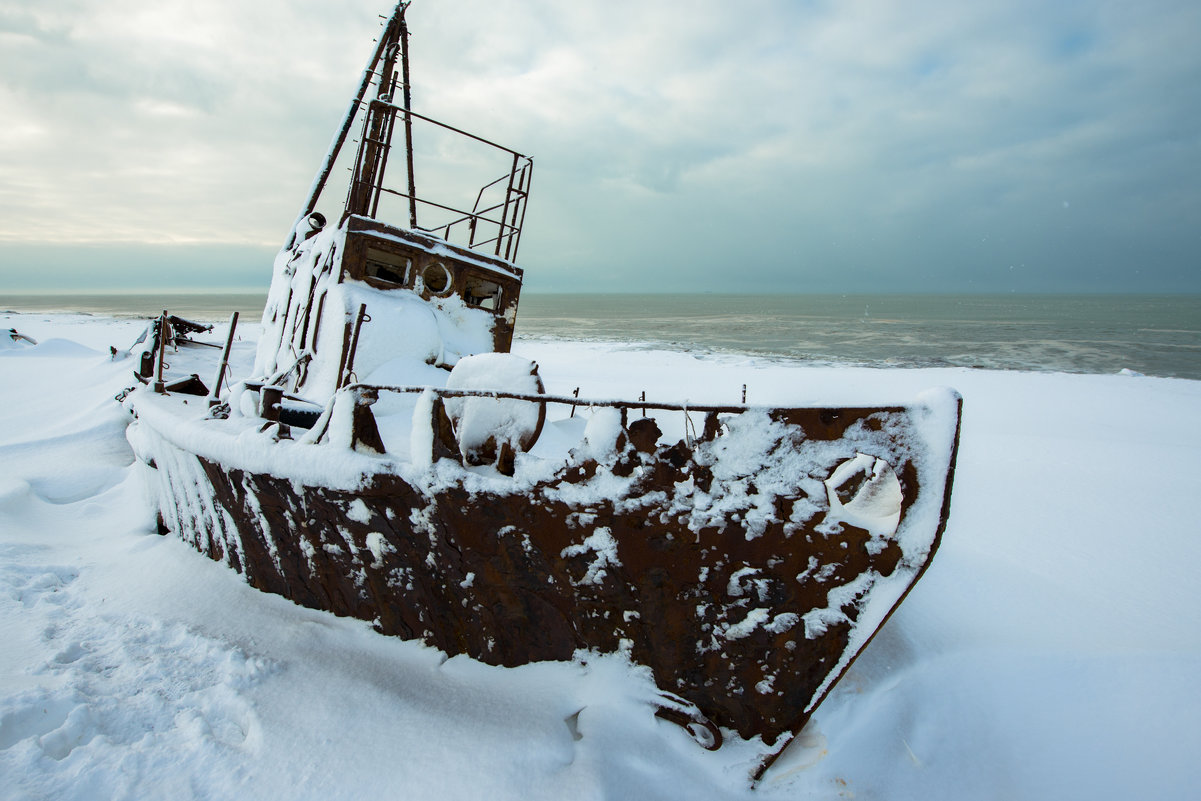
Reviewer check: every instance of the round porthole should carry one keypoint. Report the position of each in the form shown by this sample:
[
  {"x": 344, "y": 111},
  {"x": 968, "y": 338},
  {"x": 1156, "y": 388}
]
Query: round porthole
[{"x": 436, "y": 278}]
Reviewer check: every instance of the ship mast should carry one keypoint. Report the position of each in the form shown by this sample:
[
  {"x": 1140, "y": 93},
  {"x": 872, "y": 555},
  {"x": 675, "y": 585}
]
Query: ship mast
[
  {"x": 495, "y": 219},
  {"x": 388, "y": 39},
  {"x": 408, "y": 107},
  {"x": 367, "y": 184}
]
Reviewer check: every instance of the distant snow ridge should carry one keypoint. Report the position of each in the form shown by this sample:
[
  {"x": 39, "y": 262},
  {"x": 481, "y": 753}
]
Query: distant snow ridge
[{"x": 116, "y": 691}]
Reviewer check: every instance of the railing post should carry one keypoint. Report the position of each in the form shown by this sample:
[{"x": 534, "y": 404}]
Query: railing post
[
  {"x": 504, "y": 215},
  {"x": 215, "y": 397},
  {"x": 353, "y": 346},
  {"x": 527, "y": 178},
  {"x": 514, "y": 231},
  {"x": 159, "y": 385}
]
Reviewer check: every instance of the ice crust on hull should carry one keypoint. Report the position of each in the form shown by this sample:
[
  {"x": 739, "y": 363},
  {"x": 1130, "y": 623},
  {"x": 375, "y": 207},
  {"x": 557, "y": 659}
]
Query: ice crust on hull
[{"x": 745, "y": 594}]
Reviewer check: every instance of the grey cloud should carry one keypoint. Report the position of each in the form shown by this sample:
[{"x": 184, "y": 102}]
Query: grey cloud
[{"x": 804, "y": 146}]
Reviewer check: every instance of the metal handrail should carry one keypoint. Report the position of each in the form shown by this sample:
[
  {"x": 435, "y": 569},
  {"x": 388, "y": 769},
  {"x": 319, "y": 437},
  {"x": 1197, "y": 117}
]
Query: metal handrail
[
  {"x": 512, "y": 231},
  {"x": 515, "y": 182},
  {"x": 431, "y": 120},
  {"x": 567, "y": 400},
  {"x": 367, "y": 184},
  {"x": 466, "y": 214}
]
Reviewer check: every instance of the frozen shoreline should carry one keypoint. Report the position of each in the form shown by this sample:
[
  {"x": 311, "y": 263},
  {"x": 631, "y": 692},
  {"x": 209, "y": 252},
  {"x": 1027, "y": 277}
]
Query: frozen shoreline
[
  {"x": 1052, "y": 649},
  {"x": 1080, "y": 334}
]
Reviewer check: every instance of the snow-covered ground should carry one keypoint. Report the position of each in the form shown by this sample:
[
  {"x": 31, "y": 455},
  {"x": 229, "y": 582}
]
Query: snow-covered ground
[{"x": 1053, "y": 650}]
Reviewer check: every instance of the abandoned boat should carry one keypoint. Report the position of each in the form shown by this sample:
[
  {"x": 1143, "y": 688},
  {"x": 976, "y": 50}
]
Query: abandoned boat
[{"x": 391, "y": 460}]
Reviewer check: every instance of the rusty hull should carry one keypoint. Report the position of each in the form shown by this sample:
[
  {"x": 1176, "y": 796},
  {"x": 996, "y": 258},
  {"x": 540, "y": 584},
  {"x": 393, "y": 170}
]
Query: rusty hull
[{"x": 509, "y": 578}]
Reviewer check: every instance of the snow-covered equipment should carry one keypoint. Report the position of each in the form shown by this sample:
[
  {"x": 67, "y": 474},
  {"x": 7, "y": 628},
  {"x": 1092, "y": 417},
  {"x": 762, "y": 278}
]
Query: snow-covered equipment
[
  {"x": 15, "y": 338},
  {"x": 390, "y": 460}
]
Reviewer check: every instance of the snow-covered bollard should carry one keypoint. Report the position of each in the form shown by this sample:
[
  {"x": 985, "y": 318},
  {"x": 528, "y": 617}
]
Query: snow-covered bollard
[
  {"x": 244, "y": 399},
  {"x": 431, "y": 437},
  {"x": 352, "y": 424},
  {"x": 604, "y": 434},
  {"x": 271, "y": 400}
]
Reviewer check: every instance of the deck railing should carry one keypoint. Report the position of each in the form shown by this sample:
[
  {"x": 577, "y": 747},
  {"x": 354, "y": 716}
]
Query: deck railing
[{"x": 495, "y": 219}]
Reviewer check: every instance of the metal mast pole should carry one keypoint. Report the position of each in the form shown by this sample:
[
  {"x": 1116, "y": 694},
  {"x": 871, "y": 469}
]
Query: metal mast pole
[
  {"x": 408, "y": 106},
  {"x": 347, "y": 121}
]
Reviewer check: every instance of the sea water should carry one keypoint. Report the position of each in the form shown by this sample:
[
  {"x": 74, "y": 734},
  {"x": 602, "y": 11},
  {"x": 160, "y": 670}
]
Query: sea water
[
  {"x": 1151, "y": 334},
  {"x": 1155, "y": 335}
]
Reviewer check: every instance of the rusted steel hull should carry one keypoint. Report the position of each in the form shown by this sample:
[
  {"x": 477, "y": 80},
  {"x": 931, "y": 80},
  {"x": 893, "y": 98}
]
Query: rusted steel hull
[
  {"x": 746, "y": 566},
  {"x": 750, "y": 616}
]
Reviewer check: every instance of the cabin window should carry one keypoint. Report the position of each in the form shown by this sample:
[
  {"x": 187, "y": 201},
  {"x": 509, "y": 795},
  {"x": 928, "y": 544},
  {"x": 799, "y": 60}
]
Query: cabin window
[
  {"x": 387, "y": 267},
  {"x": 436, "y": 278},
  {"x": 481, "y": 293}
]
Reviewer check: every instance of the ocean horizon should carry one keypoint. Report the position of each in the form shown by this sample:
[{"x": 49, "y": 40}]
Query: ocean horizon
[{"x": 1156, "y": 335}]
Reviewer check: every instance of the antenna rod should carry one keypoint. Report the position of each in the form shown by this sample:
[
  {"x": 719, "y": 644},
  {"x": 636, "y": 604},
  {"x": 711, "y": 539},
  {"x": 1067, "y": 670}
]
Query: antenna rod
[{"x": 408, "y": 106}]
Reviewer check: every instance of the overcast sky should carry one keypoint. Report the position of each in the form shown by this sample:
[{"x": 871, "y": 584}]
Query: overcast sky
[{"x": 765, "y": 145}]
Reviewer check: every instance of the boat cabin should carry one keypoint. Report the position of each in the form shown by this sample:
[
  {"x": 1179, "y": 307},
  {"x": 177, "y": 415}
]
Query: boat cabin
[
  {"x": 432, "y": 275},
  {"x": 385, "y": 257}
]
